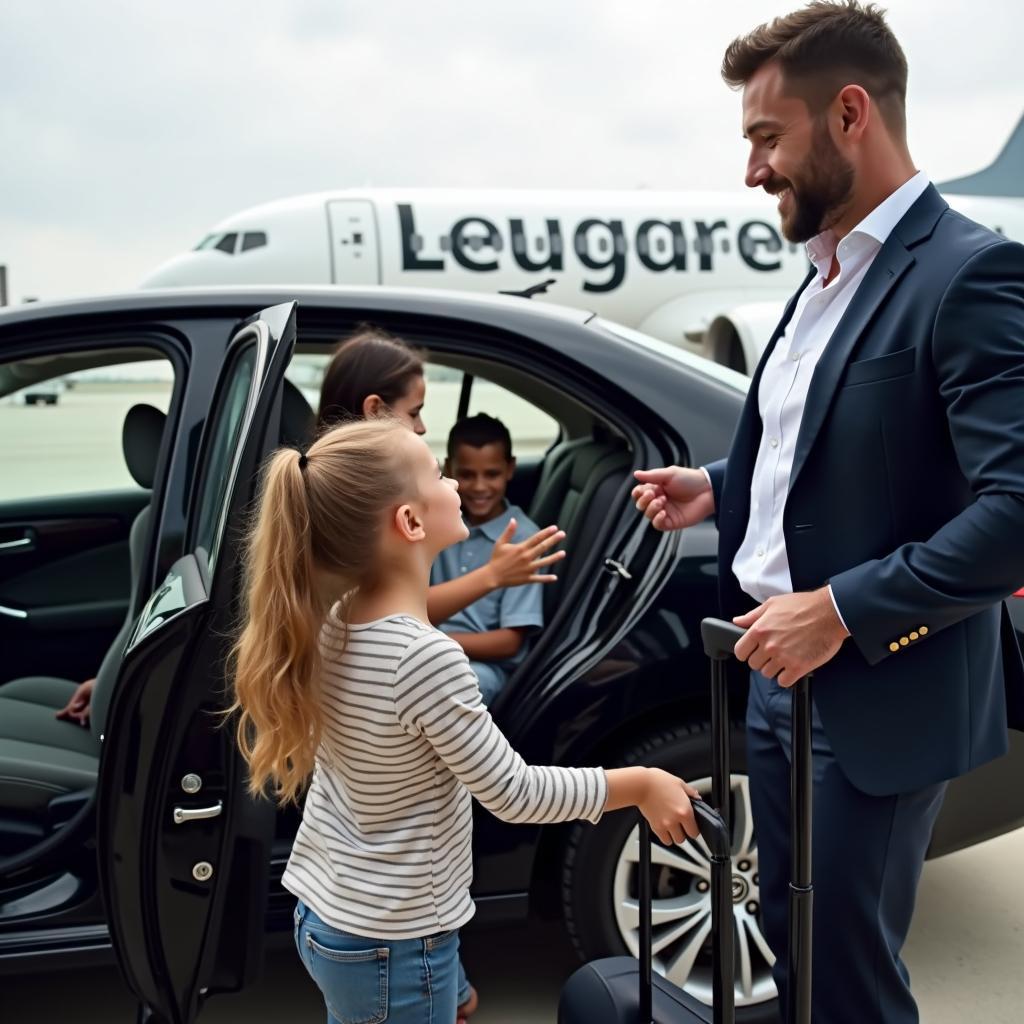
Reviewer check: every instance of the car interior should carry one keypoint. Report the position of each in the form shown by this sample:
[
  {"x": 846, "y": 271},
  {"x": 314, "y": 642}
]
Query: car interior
[
  {"x": 577, "y": 462},
  {"x": 48, "y": 766}
]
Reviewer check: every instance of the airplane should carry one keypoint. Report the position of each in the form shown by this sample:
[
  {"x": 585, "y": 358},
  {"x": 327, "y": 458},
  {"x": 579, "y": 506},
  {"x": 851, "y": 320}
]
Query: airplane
[{"x": 705, "y": 270}]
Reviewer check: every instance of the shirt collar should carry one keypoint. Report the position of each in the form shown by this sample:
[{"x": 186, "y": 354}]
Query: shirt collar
[
  {"x": 493, "y": 527},
  {"x": 877, "y": 225}
]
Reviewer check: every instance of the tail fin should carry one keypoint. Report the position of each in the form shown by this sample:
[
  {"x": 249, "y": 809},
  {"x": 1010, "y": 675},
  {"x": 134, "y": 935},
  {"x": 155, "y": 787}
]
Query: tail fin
[{"x": 1003, "y": 177}]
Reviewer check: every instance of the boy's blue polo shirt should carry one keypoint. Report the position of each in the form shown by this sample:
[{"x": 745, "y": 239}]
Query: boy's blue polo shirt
[{"x": 504, "y": 608}]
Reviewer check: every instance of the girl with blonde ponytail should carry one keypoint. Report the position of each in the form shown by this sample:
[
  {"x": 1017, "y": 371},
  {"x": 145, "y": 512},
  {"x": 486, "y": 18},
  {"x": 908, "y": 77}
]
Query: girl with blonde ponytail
[{"x": 344, "y": 691}]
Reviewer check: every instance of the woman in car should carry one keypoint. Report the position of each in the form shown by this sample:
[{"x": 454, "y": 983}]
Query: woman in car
[{"x": 373, "y": 374}]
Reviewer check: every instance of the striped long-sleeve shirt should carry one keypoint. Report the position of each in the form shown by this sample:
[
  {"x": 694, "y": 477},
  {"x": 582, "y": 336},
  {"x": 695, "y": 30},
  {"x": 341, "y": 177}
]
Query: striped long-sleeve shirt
[{"x": 384, "y": 847}]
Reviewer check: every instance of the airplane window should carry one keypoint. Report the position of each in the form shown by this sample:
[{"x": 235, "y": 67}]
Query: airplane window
[
  {"x": 207, "y": 242},
  {"x": 227, "y": 243},
  {"x": 253, "y": 240}
]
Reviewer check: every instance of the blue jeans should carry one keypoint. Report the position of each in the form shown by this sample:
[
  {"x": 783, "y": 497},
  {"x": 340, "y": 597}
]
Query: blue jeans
[{"x": 369, "y": 981}]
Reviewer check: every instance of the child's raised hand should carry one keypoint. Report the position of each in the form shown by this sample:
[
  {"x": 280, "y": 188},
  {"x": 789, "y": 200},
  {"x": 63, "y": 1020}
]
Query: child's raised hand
[{"x": 512, "y": 565}]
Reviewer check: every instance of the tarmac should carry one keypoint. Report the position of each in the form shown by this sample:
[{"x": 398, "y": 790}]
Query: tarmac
[{"x": 965, "y": 954}]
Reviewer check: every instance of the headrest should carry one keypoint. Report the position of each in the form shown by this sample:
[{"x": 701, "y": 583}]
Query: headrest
[
  {"x": 140, "y": 438},
  {"x": 296, "y": 416}
]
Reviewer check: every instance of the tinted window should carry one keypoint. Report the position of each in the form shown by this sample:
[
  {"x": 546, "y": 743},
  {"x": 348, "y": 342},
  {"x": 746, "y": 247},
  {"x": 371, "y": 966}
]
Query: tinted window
[
  {"x": 227, "y": 243},
  {"x": 219, "y": 455},
  {"x": 253, "y": 240},
  {"x": 532, "y": 430},
  {"x": 63, "y": 434}
]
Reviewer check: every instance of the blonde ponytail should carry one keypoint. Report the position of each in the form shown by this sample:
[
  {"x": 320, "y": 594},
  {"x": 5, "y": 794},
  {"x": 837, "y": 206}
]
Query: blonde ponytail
[{"x": 313, "y": 542}]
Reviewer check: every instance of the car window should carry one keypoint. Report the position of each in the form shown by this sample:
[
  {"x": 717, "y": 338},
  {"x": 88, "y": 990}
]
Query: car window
[
  {"x": 219, "y": 450},
  {"x": 306, "y": 372},
  {"x": 63, "y": 434},
  {"x": 533, "y": 432}
]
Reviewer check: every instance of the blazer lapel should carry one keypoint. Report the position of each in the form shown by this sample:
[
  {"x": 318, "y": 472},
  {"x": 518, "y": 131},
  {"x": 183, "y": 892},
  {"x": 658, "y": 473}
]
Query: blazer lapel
[
  {"x": 880, "y": 279},
  {"x": 891, "y": 263}
]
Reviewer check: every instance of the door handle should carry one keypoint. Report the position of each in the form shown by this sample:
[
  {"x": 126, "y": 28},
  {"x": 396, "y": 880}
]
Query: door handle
[
  {"x": 21, "y": 544},
  {"x": 185, "y": 814}
]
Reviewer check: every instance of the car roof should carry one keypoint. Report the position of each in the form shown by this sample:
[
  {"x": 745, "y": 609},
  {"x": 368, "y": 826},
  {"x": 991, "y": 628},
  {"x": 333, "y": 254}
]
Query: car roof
[{"x": 251, "y": 298}]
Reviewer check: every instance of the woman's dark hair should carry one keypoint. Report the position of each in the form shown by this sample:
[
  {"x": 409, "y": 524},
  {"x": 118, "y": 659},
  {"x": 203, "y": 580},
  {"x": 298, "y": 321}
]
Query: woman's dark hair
[{"x": 369, "y": 362}]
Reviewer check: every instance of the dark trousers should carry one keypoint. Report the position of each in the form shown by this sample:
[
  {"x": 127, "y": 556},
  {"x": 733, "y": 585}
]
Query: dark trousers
[{"x": 868, "y": 855}]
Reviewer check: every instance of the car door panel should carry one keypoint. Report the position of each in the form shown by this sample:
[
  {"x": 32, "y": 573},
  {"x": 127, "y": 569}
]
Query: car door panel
[
  {"x": 183, "y": 861},
  {"x": 64, "y": 581}
]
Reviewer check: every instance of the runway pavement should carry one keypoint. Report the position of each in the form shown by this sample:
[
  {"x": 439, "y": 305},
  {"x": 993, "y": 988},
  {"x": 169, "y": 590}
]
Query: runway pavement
[{"x": 966, "y": 959}]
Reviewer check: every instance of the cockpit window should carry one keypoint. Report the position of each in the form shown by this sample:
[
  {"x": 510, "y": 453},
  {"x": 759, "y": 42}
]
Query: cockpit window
[
  {"x": 227, "y": 243},
  {"x": 253, "y": 240},
  {"x": 207, "y": 242}
]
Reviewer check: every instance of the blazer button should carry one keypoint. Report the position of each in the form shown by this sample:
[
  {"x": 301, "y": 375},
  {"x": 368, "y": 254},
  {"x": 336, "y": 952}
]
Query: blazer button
[
  {"x": 894, "y": 647},
  {"x": 904, "y": 640},
  {"x": 923, "y": 630},
  {"x": 913, "y": 634}
]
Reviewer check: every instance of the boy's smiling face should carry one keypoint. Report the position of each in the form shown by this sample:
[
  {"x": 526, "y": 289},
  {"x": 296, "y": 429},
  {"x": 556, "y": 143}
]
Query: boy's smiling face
[{"x": 483, "y": 474}]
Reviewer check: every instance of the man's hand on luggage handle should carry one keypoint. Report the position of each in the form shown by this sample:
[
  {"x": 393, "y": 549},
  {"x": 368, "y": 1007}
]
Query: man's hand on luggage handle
[
  {"x": 673, "y": 498},
  {"x": 790, "y": 635}
]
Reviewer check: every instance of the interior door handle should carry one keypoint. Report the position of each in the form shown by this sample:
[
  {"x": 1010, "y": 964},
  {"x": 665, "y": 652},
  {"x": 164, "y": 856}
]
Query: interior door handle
[
  {"x": 185, "y": 814},
  {"x": 21, "y": 544}
]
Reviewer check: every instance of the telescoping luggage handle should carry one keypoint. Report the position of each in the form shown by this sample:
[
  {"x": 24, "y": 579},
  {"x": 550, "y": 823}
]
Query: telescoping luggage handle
[{"x": 719, "y": 639}]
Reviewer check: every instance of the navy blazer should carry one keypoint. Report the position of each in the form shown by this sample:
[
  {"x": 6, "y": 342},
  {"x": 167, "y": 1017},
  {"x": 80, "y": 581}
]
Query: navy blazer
[{"x": 907, "y": 495}]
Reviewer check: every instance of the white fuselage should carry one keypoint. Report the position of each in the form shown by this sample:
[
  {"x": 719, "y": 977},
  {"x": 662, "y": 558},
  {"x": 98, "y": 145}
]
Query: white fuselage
[{"x": 666, "y": 263}]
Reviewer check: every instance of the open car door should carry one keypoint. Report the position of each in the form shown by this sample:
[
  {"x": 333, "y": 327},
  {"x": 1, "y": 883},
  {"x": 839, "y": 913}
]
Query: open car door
[{"x": 183, "y": 850}]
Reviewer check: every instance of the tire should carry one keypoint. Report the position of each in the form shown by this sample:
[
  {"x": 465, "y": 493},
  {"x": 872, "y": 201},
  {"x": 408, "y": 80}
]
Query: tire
[{"x": 599, "y": 887}]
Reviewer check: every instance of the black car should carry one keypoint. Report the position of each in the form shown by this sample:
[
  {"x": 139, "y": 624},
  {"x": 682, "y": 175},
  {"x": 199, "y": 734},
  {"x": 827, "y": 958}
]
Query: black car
[{"x": 135, "y": 837}]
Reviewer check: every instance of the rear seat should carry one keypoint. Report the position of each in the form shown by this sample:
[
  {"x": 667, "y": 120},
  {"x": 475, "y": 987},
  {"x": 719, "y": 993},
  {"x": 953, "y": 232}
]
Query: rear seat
[{"x": 577, "y": 489}]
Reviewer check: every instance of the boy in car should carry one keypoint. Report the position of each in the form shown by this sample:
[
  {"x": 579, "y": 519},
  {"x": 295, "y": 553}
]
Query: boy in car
[{"x": 493, "y": 630}]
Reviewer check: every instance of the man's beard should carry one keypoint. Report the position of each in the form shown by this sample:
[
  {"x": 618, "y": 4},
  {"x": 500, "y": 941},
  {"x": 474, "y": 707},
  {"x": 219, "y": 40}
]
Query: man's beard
[{"x": 819, "y": 200}]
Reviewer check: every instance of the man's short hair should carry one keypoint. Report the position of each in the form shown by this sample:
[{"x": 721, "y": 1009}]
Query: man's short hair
[
  {"x": 823, "y": 47},
  {"x": 478, "y": 430}
]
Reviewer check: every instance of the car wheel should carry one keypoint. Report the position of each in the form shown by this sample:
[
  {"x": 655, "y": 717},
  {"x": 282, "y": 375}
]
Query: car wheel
[{"x": 599, "y": 884}]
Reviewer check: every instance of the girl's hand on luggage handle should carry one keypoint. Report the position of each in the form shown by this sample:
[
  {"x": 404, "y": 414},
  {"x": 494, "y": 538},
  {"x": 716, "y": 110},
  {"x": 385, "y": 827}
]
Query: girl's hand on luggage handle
[{"x": 662, "y": 798}]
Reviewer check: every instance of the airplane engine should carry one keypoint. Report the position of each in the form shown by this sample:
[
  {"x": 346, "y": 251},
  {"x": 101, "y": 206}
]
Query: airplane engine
[{"x": 737, "y": 337}]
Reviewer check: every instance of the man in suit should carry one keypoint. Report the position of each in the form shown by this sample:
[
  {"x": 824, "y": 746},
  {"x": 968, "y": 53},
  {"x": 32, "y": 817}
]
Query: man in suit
[{"x": 871, "y": 508}]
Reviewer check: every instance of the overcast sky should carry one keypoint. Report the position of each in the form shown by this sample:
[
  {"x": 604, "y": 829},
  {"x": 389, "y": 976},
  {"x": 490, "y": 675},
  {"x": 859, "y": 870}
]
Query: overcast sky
[{"x": 128, "y": 128}]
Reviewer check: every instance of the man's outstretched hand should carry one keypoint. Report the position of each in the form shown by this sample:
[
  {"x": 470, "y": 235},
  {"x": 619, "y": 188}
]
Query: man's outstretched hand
[
  {"x": 790, "y": 635},
  {"x": 673, "y": 498}
]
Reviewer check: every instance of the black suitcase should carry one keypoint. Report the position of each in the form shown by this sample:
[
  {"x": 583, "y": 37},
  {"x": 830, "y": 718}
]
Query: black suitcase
[{"x": 621, "y": 990}]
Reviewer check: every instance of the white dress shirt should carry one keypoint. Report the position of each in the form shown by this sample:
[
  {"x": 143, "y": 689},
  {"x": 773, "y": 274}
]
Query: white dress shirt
[{"x": 762, "y": 564}]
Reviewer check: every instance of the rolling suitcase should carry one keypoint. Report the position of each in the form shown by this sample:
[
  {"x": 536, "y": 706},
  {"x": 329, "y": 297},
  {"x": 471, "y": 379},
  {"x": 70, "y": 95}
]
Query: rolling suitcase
[{"x": 621, "y": 990}]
